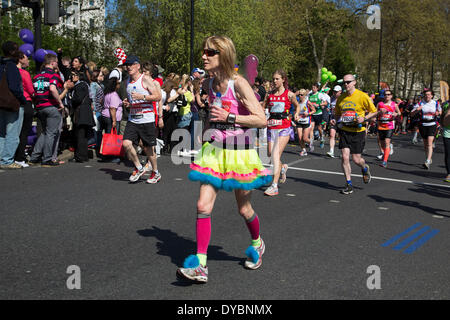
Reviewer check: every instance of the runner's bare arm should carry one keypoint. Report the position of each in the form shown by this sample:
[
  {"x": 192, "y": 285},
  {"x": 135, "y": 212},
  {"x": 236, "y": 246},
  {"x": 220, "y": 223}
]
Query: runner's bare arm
[{"x": 151, "y": 86}]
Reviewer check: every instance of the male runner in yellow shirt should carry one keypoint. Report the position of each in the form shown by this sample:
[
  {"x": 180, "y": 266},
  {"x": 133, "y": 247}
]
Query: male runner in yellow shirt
[{"x": 353, "y": 108}]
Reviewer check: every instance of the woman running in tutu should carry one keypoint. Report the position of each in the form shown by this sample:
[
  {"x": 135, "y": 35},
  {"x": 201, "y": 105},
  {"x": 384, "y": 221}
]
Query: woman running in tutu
[{"x": 228, "y": 161}]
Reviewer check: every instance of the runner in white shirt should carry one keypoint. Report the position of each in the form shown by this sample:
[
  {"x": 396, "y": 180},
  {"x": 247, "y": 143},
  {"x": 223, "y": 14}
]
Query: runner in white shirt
[
  {"x": 143, "y": 94},
  {"x": 429, "y": 110}
]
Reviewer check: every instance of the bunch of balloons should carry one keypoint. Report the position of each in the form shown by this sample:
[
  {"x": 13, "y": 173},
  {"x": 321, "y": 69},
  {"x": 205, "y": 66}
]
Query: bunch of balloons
[
  {"x": 28, "y": 48},
  {"x": 328, "y": 75}
]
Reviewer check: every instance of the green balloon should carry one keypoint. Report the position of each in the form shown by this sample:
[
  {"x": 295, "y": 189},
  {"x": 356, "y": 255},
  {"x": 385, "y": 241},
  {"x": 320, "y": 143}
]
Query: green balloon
[
  {"x": 329, "y": 73},
  {"x": 324, "y": 70},
  {"x": 333, "y": 78},
  {"x": 324, "y": 77}
]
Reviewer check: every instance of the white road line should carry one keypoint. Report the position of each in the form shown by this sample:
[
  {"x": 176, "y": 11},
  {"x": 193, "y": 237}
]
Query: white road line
[{"x": 358, "y": 175}]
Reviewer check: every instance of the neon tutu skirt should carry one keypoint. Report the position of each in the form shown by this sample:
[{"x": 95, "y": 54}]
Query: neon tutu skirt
[{"x": 229, "y": 169}]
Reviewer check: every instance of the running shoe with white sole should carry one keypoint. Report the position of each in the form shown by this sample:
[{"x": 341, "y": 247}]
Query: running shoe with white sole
[
  {"x": 303, "y": 153},
  {"x": 271, "y": 191},
  {"x": 154, "y": 177},
  {"x": 348, "y": 189},
  {"x": 391, "y": 152},
  {"x": 193, "y": 270},
  {"x": 427, "y": 164},
  {"x": 367, "y": 177},
  {"x": 383, "y": 164},
  {"x": 254, "y": 255},
  {"x": 380, "y": 156},
  {"x": 330, "y": 154},
  {"x": 137, "y": 174}
]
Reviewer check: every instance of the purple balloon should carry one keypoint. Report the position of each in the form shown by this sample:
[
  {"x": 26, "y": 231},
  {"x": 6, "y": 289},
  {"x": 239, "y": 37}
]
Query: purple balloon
[
  {"x": 39, "y": 55},
  {"x": 27, "y": 49},
  {"x": 52, "y": 52},
  {"x": 26, "y": 36}
]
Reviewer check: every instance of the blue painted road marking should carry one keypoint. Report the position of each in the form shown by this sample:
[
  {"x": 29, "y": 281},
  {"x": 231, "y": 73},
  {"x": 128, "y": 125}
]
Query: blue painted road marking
[
  {"x": 411, "y": 238},
  {"x": 413, "y": 246},
  {"x": 388, "y": 243},
  {"x": 421, "y": 241}
]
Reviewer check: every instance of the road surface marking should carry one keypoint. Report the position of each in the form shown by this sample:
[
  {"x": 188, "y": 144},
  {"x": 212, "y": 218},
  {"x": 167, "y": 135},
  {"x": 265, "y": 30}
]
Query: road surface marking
[{"x": 360, "y": 176}]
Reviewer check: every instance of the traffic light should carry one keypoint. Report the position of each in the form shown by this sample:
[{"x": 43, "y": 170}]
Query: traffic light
[{"x": 52, "y": 12}]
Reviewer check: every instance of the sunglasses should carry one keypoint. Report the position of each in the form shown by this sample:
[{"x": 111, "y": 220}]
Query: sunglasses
[
  {"x": 210, "y": 52},
  {"x": 389, "y": 94},
  {"x": 348, "y": 82}
]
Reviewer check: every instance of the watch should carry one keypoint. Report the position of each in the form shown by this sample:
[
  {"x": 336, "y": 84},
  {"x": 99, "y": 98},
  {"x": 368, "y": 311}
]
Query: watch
[
  {"x": 145, "y": 97},
  {"x": 231, "y": 119}
]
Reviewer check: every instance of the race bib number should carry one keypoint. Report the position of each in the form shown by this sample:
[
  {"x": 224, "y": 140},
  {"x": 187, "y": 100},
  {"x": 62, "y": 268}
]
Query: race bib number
[
  {"x": 386, "y": 117},
  {"x": 135, "y": 111},
  {"x": 274, "y": 122},
  {"x": 428, "y": 116},
  {"x": 304, "y": 119},
  {"x": 349, "y": 117}
]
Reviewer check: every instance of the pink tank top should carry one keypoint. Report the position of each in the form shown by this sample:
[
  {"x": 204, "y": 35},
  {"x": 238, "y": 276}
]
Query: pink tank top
[
  {"x": 232, "y": 135},
  {"x": 386, "y": 121}
]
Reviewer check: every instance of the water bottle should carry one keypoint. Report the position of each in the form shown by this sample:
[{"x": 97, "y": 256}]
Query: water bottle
[{"x": 217, "y": 100}]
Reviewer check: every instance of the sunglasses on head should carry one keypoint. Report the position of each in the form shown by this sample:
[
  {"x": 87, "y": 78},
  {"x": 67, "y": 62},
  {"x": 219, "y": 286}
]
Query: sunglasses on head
[{"x": 210, "y": 52}]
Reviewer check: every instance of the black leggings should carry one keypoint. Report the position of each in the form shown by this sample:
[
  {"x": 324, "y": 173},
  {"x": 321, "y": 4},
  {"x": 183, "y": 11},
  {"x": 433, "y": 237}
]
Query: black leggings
[
  {"x": 26, "y": 127},
  {"x": 447, "y": 154}
]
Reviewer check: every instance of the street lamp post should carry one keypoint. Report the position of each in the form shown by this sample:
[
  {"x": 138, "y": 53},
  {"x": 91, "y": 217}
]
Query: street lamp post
[
  {"x": 192, "y": 37},
  {"x": 379, "y": 56}
]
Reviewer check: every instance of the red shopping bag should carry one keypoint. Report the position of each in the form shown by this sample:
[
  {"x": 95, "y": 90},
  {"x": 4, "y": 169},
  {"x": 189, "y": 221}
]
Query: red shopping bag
[{"x": 112, "y": 144}]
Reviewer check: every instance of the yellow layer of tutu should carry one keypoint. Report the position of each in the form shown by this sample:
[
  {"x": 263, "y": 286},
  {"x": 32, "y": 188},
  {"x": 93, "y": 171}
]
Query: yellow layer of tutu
[{"x": 229, "y": 169}]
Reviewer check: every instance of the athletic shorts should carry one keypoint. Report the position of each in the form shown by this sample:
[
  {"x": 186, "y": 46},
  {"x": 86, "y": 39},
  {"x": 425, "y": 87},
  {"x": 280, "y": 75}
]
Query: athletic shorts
[
  {"x": 273, "y": 134},
  {"x": 355, "y": 141},
  {"x": 385, "y": 134},
  {"x": 427, "y": 131},
  {"x": 143, "y": 131},
  {"x": 302, "y": 126},
  {"x": 317, "y": 119}
]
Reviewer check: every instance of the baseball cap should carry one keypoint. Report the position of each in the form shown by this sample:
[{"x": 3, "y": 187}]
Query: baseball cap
[
  {"x": 132, "y": 60},
  {"x": 200, "y": 71},
  {"x": 337, "y": 88}
]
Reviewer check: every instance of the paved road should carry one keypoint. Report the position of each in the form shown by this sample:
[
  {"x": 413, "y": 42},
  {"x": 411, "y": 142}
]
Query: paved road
[{"x": 128, "y": 239}]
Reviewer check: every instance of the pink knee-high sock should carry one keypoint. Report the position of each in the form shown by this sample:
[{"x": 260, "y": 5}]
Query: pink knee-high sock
[
  {"x": 253, "y": 226},
  {"x": 203, "y": 233}
]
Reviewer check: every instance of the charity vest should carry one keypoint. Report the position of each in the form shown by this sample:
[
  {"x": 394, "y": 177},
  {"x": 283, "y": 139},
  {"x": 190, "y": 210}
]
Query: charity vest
[
  {"x": 304, "y": 110},
  {"x": 279, "y": 107},
  {"x": 386, "y": 120},
  {"x": 229, "y": 134},
  {"x": 141, "y": 111},
  {"x": 315, "y": 98},
  {"x": 428, "y": 113}
]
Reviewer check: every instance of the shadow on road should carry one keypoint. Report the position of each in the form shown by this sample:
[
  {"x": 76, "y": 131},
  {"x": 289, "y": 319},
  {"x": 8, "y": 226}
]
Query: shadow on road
[
  {"x": 117, "y": 175},
  {"x": 178, "y": 248},
  {"x": 435, "y": 191},
  {"x": 414, "y": 204}
]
